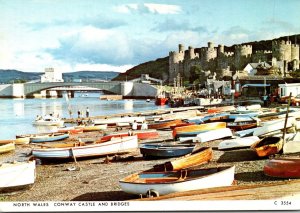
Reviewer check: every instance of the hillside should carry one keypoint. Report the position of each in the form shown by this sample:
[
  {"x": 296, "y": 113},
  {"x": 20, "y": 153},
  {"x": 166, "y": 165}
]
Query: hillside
[
  {"x": 157, "y": 69},
  {"x": 160, "y": 67},
  {"x": 10, "y": 76}
]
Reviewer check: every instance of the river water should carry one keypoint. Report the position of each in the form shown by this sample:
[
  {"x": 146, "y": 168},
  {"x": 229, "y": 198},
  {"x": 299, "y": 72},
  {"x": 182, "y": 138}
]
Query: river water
[{"x": 16, "y": 115}]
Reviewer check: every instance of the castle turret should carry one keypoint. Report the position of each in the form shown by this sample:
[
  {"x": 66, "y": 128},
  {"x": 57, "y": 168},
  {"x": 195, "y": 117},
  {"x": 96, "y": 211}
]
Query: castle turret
[
  {"x": 175, "y": 62},
  {"x": 282, "y": 50},
  {"x": 220, "y": 50},
  {"x": 242, "y": 55},
  {"x": 208, "y": 53}
]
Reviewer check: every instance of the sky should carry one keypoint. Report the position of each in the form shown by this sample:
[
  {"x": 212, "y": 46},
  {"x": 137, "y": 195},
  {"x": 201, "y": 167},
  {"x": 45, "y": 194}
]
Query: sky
[{"x": 115, "y": 35}]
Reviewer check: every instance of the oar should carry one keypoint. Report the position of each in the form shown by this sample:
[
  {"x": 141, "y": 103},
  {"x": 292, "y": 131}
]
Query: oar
[{"x": 286, "y": 117}]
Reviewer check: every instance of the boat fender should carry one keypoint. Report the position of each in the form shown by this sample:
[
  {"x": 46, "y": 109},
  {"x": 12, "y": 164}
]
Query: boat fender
[{"x": 152, "y": 193}]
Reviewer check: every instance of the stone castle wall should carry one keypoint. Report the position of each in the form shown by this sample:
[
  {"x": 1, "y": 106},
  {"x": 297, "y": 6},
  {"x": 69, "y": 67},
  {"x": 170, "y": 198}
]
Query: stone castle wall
[{"x": 215, "y": 59}]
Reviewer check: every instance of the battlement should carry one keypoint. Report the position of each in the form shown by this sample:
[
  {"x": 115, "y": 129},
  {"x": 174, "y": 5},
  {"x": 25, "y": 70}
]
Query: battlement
[
  {"x": 263, "y": 51},
  {"x": 281, "y": 42},
  {"x": 243, "y": 47},
  {"x": 229, "y": 54}
]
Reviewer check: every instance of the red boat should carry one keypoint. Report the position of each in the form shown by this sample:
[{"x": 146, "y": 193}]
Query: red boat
[
  {"x": 141, "y": 134},
  {"x": 284, "y": 167},
  {"x": 160, "y": 101}
]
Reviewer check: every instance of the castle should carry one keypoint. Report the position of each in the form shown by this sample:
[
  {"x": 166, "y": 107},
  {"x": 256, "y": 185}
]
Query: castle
[{"x": 284, "y": 56}]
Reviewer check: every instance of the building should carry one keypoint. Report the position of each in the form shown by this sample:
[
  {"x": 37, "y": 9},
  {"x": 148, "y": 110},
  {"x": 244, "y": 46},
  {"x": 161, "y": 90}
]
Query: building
[
  {"x": 51, "y": 75},
  {"x": 251, "y": 68}
]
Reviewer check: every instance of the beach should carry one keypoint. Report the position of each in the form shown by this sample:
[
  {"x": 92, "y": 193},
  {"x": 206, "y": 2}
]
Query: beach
[{"x": 97, "y": 179}]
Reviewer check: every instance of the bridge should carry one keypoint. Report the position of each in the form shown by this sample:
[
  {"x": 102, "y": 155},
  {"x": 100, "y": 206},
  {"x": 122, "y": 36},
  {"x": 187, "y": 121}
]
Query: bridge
[{"x": 127, "y": 89}]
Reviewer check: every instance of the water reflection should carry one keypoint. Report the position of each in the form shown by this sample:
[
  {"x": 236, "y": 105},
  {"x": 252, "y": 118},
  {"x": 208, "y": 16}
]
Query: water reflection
[
  {"x": 128, "y": 104},
  {"x": 18, "y": 108}
]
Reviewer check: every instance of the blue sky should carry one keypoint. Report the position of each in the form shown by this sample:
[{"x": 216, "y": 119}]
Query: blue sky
[{"x": 115, "y": 35}]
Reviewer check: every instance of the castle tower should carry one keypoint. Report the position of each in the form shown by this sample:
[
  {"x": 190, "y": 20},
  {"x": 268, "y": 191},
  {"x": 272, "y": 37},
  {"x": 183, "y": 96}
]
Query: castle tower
[
  {"x": 295, "y": 56},
  {"x": 282, "y": 50},
  {"x": 242, "y": 55},
  {"x": 175, "y": 62},
  {"x": 191, "y": 54},
  {"x": 220, "y": 50},
  {"x": 208, "y": 53}
]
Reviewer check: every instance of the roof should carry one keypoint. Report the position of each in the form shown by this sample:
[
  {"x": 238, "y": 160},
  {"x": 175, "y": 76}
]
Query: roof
[
  {"x": 256, "y": 85},
  {"x": 261, "y": 65}
]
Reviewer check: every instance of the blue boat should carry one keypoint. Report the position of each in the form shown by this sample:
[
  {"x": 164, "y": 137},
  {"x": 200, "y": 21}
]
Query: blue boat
[
  {"x": 48, "y": 137},
  {"x": 166, "y": 150}
]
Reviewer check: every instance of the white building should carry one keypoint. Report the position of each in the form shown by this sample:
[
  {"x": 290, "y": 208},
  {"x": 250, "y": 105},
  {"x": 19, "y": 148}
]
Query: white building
[
  {"x": 51, "y": 75},
  {"x": 251, "y": 68},
  {"x": 286, "y": 89}
]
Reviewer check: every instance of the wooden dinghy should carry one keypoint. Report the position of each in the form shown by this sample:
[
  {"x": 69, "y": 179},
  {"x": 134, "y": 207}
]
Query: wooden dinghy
[
  {"x": 16, "y": 174},
  {"x": 268, "y": 146},
  {"x": 242, "y": 125},
  {"x": 193, "y": 130},
  {"x": 80, "y": 149},
  {"x": 164, "y": 124},
  {"x": 113, "y": 121},
  {"x": 220, "y": 109},
  {"x": 196, "y": 158},
  {"x": 7, "y": 146},
  {"x": 90, "y": 128},
  {"x": 213, "y": 135},
  {"x": 162, "y": 150},
  {"x": 48, "y": 137},
  {"x": 283, "y": 167},
  {"x": 180, "y": 125},
  {"x": 71, "y": 130},
  {"x": 238, "y": 143},
  {"x": 272, "y": 126},
  {"x": 141, "y": 134},
  {"x": 162, "y": 183}
]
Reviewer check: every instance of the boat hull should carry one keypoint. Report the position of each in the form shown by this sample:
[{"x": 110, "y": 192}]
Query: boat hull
[
  {"x": 283, "y": 168},
  {"x": 238, "y": 143},
  {"x": 141, "y": 134},
  {"x": 165, "y": 151},
  {"x": 7, "y": 147},
  {"x": 213, "y": 135},
  {"x": 268, "y": 146},
  {"x": 184, "y": 180},
  {"x": 48, "y": 138},
  {"x": 16, "y": 174},
  {"x": 114, "y": 146}
]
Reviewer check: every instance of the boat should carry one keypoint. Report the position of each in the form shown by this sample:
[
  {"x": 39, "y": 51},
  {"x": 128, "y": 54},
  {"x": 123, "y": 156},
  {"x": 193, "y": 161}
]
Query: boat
[
  {"x": 7, "y": 146},
  {"x": 197, "y": 157},
  {"x": 39, "y": 138},
  {"x": 180, "y": 125},
  {"x": 292, "y": 146},
  {"x": 22, "y": 139},
  {"x": 220, "y": 109},
  {"x": 161, "y": 100},
  {"x": 193, "y": 130},
  {"x": 114, "y": 120},
  {"x": 241, "y": 125},
  {"x": 16, "y": 174},
  {"x": 268, "y": 146},
  {"x": 48, "y": 120},
  {"x": 162, "y": 183},
  {"x": 238, "y": 143},
  {"x": 90, "y": 128},
  {"x": 71, "y": 130},
  {"x": 75, "y": 150},
  {"x": 164, "y": 124},
  {"x": 168, "y": 150},
  {"x": 213, "y": 135},
  {"x": 272, "y": 126},
  {"x": 141, "y": 134},
  {"x": 283, "y": 167}
]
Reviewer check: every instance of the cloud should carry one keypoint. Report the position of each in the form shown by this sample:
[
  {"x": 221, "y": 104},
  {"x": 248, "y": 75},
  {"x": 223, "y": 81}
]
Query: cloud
[
  {"x": 99, "y": 21},
  {"x": 90, "y": 45},
  {"x": 148, "y": 8},
  {"x": 178, "y": 25}
]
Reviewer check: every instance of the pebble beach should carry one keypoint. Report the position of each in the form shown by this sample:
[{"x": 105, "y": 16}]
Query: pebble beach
[{"x": 97, "y": 179}]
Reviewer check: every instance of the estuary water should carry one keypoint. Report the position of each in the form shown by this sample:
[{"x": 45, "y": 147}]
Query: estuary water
[{"x": 17, "y": 115}]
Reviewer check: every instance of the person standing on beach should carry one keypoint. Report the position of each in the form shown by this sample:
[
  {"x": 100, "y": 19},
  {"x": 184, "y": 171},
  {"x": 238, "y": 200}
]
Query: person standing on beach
[
  {"x": 78, "y": 113},
  {"x": 87, "y": 112}
]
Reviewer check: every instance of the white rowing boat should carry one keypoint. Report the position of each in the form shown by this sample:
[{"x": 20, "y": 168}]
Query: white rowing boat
[
  {"x": 238, "y": 143},
  {"x": 213, "y": 135}
]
